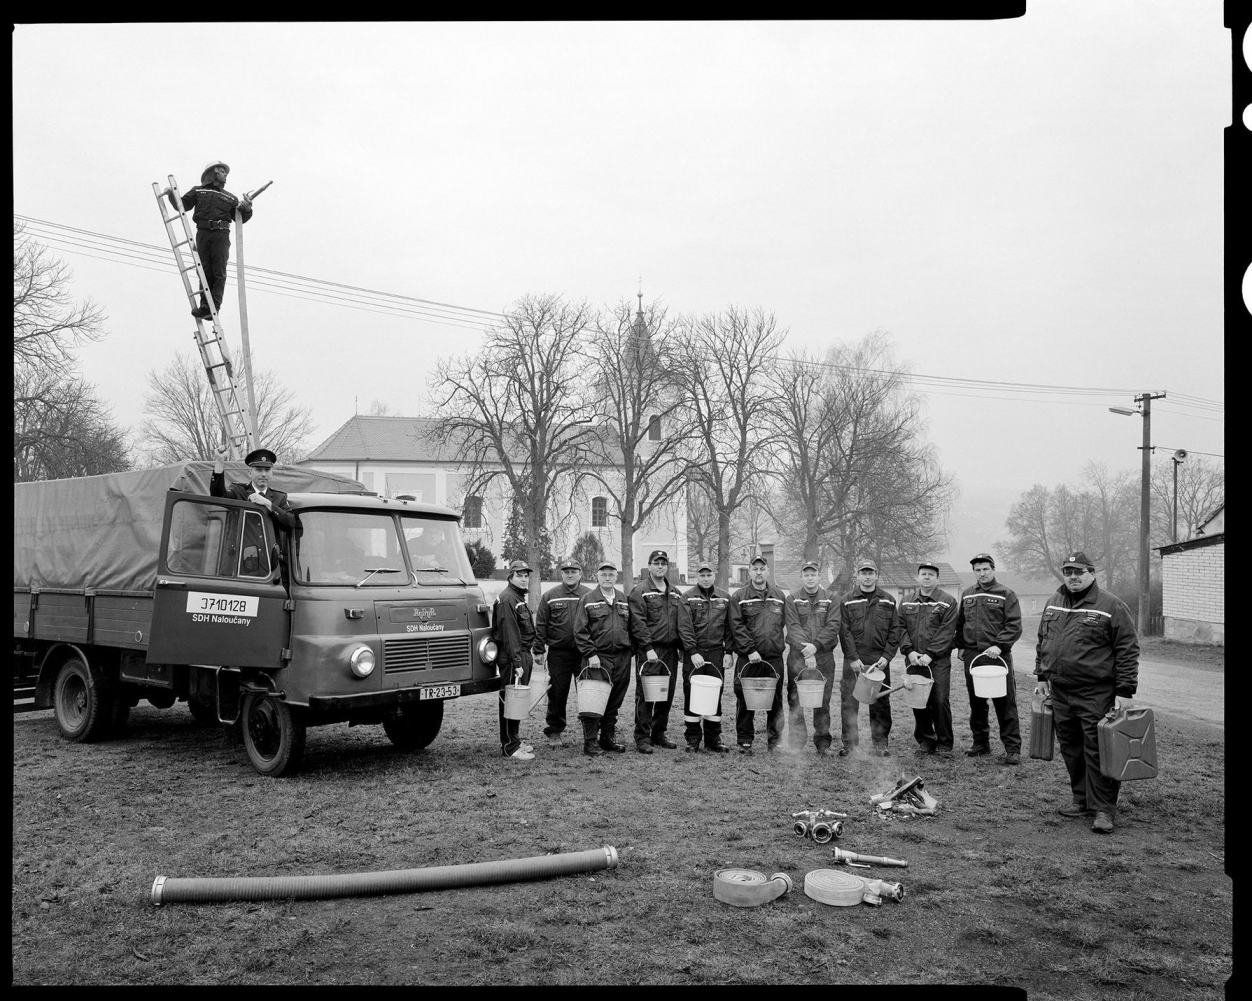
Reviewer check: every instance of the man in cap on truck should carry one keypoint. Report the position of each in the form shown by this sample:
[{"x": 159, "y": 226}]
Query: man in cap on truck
[
  {"x": 260, "y": 463},
  {"x": 987, "y": 626},
  {"x": 554, "y": 643},
  {"x": 1087, "y": 658},
  {"x": 212, "y": 210}
]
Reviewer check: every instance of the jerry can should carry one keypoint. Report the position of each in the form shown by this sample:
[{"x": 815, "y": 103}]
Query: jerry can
[
  {"x": 1042, "y": 736},
  {"x": 1127, "y": 739}
]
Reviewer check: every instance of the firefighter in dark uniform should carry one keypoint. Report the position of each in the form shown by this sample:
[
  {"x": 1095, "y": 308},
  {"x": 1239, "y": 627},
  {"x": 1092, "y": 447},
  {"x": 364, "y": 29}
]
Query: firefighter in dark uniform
[
  {"x": 704, "y": 629},
  {"x": 555, "y": 646},
  {"x": 927, "y": 632},
  {"x": 260, "y": 462},
  {"x": 811, "y": 644},
  {"x": 989, "y": 623},
  {"x": 1087, "y": 658},
  {"x": 654, "y": 605},
  {"x": 212, "y": 210},
  {"x": 869, "y": 631},
  {"x": 513, "y": 630},
  {"x": 760, "y": 613},
  {"x": 602, "y": 633}
]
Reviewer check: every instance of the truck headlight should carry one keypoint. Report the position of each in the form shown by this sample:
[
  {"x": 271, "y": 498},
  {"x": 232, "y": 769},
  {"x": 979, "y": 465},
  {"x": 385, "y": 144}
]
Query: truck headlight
[
  {"x": 487, "y": 650},
  {"x": 362, "y": 662}
]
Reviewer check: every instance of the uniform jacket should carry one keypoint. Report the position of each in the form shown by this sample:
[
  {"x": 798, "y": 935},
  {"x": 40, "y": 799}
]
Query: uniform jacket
[
  {"x": 554, "y": 621},
  {"x": 758, "y": 620},
  {"x": 869, "y": 625},
  {"x": 211, "y": 207},
  {"x": 1088, "y": 639},
  {"x": 989, "y": 616},
  {"x": 601, "y": 626},
  {"x": 928, "y": 625},
  {"x": 817, "y": 622},
  {"x": 654, "y": 615},
  {"x": 704, "y": 620},
  {"x": 281, "y": 511},
  {"x": 513, "y": 629}
]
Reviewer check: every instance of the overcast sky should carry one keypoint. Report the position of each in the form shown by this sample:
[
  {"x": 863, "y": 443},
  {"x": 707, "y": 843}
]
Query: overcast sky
[{"x": 1035, "y": 201}]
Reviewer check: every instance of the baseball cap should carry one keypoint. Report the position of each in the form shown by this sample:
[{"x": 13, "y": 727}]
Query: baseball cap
[
  {"x": 810, "y": 565},
  {"x": 518, "y": 566},
  {"x": 1078, "y": 559},
  {"x": 706, "y": 565},
  {"x": 606, "y": 565},
  {"x": 759, "y": 559},
  {"x": 983, "y": 558},
  {"x": 658, "y": 554},
  {"x": 927, "y": 566},
  {"x": 571, "y": 564},
  {"x": 867, "y": 565}
]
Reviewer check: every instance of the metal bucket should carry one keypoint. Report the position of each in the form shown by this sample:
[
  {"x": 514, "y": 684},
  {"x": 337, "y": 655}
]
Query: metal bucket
[
  {"x": 758, "y": 693},
  {"x": 655, "y": 687},
  {"x": 517, "y": 704},
  {"x": 593, "y": 693},
  {"x": 868, "y": 685},
  {"x": 990, "y": 680},
  {"x": 918, "y": 694},
  {"x": 706, "y": 695},
  {"x": 811, "y": 691}
]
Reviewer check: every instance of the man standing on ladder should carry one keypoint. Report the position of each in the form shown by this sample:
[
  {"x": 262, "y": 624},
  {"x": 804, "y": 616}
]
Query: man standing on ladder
[{"x": 213, "y": 210}]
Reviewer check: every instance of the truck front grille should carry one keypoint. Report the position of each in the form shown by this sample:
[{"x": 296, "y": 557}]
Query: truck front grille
[{"x": 426, "y": 653}]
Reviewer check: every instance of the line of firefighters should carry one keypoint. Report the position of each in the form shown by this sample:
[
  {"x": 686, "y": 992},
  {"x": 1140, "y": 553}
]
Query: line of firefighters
[{"x": 708, "y": 631}]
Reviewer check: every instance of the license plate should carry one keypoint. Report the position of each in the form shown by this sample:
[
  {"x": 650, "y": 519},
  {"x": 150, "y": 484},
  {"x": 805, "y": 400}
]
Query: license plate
[{"x": 439, "y": 692}]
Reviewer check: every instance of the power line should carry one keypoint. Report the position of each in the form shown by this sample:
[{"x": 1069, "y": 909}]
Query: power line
[{"x": 155, "y": 258}]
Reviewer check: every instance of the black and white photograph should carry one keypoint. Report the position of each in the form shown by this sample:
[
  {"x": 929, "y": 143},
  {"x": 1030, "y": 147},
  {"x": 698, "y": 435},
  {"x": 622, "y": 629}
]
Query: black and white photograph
[{"x": 582, "y": 503}]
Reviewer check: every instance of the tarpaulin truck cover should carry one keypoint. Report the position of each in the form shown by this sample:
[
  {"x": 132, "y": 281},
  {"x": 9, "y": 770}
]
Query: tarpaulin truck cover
[{"x": 103, "y": 532}]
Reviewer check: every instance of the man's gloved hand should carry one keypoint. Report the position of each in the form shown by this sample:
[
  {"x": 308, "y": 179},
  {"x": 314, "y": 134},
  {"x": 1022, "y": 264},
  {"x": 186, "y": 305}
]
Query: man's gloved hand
[
  {"x": 992, "y": 651},
  {"x": 697, "y": 660},
  {"x": 880, "y": 663},
  {"x": 727, "y": 660},
  {"x": 925, "y": 659},
  {"x": 857, "y": 666},
  {"x": 652, "y": 655},
  {"x": 593, "y": 661},
  {"x": 540, "y": 658},
  {"x": 808, "y": 650},
  {"x": 913, "y": 658},
  {"x": 754, "y": 657}
]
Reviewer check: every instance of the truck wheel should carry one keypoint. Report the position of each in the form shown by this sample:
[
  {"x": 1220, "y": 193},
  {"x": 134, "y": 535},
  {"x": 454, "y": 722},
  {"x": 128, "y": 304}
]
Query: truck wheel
[
  {"x": 83, "y": 708},
  {"x": 272, "y": 735},
  {"x": 413, "y": 727},
  {"x": 204, "y": 713}
]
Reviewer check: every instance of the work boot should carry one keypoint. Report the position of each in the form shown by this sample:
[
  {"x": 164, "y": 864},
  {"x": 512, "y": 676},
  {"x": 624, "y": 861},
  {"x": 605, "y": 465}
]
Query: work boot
[
  {"x": 643, "y": 747},
  {"x": 692, "y": 748},
  {"x": 745, "y": 748},
  {"x": 717, "y": 747},
  {"x": 609, "y": 744},
  {"x": 926, "y": 747},
  {"x": 1010, "y": 758},
  {"x": 555, "y": 740},
  {"x": 977, "y": 751},
  {"x": 660, "y": 740},
  {"x": 1074, "y": 809},
  {"x": 201, "y": 312},
  {"x": 1103, "y": 823},
  {"x": 591, "y": 748},
  {"x": 845, "y": 750}
]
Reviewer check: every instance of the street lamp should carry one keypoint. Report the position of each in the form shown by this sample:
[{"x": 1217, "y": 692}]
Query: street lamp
[
  {"x": 1179, "y": 456},
  {"x": 1145, "y": 410}
]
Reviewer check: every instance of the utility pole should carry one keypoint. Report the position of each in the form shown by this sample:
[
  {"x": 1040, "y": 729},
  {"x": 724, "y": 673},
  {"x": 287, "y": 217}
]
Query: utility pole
[{"x": 1145, "y": 512}]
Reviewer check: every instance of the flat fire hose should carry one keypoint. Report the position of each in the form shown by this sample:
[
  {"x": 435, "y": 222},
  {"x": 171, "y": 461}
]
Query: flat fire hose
[
  {"x": 747, "y": 887},
  {"x": 835, "y": 887}
]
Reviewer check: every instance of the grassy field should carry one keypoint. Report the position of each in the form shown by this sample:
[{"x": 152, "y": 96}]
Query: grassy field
[{"x": 1000, "y": 889}]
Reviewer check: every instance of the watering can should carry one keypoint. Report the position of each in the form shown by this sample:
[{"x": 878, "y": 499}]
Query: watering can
[
  {"x": 517, "y": 704},
  {"x": 869, "y": 686}
]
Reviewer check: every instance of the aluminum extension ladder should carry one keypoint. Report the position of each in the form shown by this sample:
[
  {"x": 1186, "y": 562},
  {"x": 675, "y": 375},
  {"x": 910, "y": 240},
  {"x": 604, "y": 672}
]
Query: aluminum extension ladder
[{"x": 209, "y": 337}]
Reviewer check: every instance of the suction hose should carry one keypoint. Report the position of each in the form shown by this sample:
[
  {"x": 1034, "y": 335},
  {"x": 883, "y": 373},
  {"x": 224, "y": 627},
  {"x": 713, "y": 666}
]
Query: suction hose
[{"x": 168, "y": 890}]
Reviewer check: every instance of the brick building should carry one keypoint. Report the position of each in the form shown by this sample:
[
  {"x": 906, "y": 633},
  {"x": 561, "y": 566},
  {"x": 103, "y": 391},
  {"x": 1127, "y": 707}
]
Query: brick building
[{"x": 1193, "y": 584}]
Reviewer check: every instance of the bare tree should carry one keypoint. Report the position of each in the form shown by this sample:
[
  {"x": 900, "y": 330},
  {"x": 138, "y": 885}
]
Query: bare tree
[
  {"x": 60, "y": 427},
  {"x": 183, "y": 421},
  {"x": 1201, "y": 488},
  {"x": 638, "y": 399},
  {"x": 517, "y": 409},
  {"x": 858, "y": 474},
  {"x": 724, "y": 360}
]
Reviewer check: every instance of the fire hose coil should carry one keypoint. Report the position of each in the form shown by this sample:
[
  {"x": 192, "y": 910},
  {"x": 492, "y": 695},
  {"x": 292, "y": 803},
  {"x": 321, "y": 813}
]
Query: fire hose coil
[
  {"x": 835, "y": 887},
  {"x": 747, "y": 887}
]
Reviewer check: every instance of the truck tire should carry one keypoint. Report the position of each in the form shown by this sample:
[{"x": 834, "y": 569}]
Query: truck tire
[
  {"x": 204, "y": 713},
  {"x": 82, "y": 706},
  {"x": 414, "y": 726},
  {"x": 272, "y": 734}
]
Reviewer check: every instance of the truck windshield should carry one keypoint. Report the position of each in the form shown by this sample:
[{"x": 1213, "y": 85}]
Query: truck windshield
[{"x": 369, "y": 549}]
